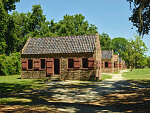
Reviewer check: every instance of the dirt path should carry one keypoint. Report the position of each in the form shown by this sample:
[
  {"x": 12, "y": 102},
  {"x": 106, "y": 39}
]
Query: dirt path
[{"x": 112, "y": 95}]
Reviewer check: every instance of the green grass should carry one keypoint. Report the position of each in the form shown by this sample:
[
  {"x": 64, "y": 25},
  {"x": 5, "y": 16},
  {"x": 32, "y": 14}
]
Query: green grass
[
  {"x": 106, "y": 76},
  {"x": 14, "y": 100},
  {"x": 12, "y": 85},
  {"x": 138, "y": 74},
  {"x": 16, "y": 79},
  {"x": 116, "y": 72}
]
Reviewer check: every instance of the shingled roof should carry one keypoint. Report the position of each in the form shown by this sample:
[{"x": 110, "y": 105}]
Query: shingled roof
[
  {"x": 107, "y": 54},
  {"x": 63, "y": 44}
]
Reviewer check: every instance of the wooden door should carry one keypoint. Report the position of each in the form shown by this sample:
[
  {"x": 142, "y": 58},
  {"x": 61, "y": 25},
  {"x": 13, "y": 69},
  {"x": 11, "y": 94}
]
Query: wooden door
[{"x": 49, "y": 67}]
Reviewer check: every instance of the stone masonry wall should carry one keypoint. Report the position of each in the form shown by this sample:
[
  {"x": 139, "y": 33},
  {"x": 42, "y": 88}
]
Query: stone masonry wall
[
  {"x": 97, "y": 57},
  {"x": 74, "y": 74},
  {"x": 33, "y": 74},
  {"x": 66, "y": 74},
  {"x": 106, "y": 69}
]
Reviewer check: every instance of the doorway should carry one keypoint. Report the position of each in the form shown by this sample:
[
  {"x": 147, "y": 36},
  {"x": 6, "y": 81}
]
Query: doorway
[{"x": 56, "y": 66}]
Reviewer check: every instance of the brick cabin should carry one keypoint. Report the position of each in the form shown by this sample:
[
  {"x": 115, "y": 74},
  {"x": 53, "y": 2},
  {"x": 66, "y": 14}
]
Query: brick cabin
[
  {"x": 120, "y": 64},
  {"x": 116, "y": 63},
  {"x": 65, "y": 57},
  {"x": 107, "y": 61},
  {"x": 123, "y": 65}
]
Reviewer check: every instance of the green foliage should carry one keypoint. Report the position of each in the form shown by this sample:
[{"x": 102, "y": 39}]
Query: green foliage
[
  {"x": 148, "y": 61},
  {"x": 119, "y": 46},
  {"x": 3, "y": 28},
  {"x": 72, "y": 25},
  {"x": 135, "y": 51},
  {"x": 10, "y": 65},
  {"x": 140, "y": 15},
  {"x": 9, "y": 4},
  {"x": 142, "y": 62},
  {"x": 36, "y": 21},
  {"x": 105, "y": 41}
]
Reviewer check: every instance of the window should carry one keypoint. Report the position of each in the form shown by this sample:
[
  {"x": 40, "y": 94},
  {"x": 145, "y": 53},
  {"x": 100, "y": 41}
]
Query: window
[
  {"x": 106, "y": 64},
  {"x": 70, "y": 63},
  {"x": 84, "y": 63},
  {"x": 30, "y": 64},
  {"x": 114, "y": 65},
  {"x": 42, "y": 63}
]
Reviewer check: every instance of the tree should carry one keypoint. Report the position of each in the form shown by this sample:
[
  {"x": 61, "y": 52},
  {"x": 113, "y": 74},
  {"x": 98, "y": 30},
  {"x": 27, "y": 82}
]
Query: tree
[
  {"x": 119, "y": 46},
  {"x": 141, "y": 15},
  {"x": 142, "y": 62},
  {"x": 105, "y": 41},
  {"x": 135, "y": 51},
  {"x": 17, "y": 28},
  {"x": 9, "y": 4},
  {"x": 3, "y": 28},
  {"x": 72, "y": 25},
  {"x": 148, "y": 61},
  {"x": 36, "y": 19}
]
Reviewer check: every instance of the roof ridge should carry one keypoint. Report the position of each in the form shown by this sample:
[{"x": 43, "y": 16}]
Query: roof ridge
[
  {"x": 61, "y": 44},
  {"x": 65, "y": 36}
]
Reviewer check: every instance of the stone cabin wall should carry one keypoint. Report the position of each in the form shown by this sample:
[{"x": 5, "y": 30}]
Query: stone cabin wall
[
  {"x": 107, "y": 69},
  {"x": 97, "y": 56},
  {"x": 66, "y": 74}
]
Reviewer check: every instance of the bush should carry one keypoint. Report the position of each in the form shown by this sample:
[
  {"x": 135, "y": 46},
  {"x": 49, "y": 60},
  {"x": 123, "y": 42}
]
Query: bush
[{"x": 10, "y": 65}]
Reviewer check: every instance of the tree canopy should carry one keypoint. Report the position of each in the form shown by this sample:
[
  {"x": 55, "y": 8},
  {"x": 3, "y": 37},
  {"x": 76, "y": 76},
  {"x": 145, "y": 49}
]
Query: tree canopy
[
  {"x": 140, "y": 15},
  {"x": 105, "y": 41},
  {"x": 10, "y": 4},
  {"x": 72, "y": 25},
  {"x": 135, "y": 52},
  {"x": 119, "y": 45}
]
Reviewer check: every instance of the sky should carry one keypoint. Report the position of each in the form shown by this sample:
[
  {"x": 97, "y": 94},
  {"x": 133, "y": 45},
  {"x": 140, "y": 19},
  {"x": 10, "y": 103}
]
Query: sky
[{"x": 110, "y": 16}]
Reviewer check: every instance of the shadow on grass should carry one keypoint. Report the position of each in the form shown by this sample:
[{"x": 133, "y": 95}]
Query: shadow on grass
[
  {"x": 7, "y": 89},
  {"x": 134, "y": 97}
]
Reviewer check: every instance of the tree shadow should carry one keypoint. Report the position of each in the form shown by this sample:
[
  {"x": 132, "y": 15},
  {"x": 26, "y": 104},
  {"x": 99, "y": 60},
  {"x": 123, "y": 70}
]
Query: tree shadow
[{"x": 122, "y": 96}]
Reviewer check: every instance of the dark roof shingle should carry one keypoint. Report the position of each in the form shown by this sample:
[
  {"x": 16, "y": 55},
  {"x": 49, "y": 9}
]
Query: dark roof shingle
[
  {"x": 107, "y": 54},
  {"x": 64, "y": 44}
]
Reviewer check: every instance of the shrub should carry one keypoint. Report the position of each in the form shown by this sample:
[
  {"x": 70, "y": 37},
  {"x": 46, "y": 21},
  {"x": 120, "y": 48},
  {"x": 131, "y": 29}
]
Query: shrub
[{"x": 10, "y": 65}]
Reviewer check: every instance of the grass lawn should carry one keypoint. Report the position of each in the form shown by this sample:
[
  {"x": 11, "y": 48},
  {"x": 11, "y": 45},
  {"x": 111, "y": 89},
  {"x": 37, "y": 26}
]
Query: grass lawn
[
  {"x": 10, "y": 85},
  {"x": 16, "y": 79},
  {"x": 138, "y": 74},
  {"x": 106, "y": 76},
  {"x": 116, "y": 72}
]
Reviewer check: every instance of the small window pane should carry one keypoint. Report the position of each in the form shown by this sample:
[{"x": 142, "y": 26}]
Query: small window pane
[
  {"x": 84, "y": 63},
  {"x": 30, "y": 64},
  {"x": 106, "y": 64},
  {"x": 70, "y": 63},
  {"x": 42, "y": 63}
]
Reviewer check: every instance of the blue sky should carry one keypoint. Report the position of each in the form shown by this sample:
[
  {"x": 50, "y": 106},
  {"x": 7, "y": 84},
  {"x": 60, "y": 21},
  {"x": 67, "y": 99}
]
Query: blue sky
[{"x": 110, "y": 16}]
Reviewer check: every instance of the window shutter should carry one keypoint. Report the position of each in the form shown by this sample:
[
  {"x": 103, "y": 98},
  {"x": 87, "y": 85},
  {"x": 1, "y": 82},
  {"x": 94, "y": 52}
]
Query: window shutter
[
  {"x": 36, "y": 64},
  {"x": 116, "y": 65},
  {"x": 109, "y": 64},
  {"x": 24, "y": 64},
  {"x": 49, "y": 66},
  {"x": 119, "y": 65},
  {"x": 91, "y": 62},
  {"x": 76, "y": 63}
]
